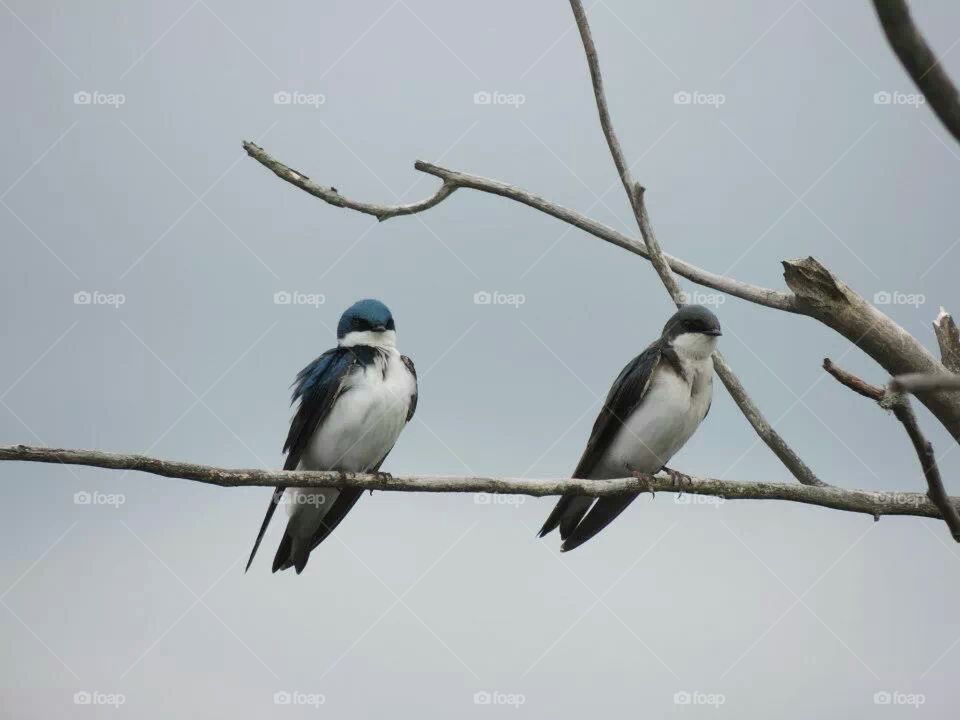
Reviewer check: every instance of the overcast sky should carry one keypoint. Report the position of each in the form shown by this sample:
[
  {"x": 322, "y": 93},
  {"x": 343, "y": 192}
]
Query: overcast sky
[{"x": 143, "y": 252}]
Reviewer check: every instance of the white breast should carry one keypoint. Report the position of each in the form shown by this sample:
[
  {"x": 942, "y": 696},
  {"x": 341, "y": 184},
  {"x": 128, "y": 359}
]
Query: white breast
[
  {"x": 366, "y": 420},
  {"x": 671, "y": 411}
]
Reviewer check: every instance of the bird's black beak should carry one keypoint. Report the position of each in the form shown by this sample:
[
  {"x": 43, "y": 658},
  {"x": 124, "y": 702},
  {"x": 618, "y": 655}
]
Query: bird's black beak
[
  {"x": 379, "y": 328},
  {"x": 713, "y": 333}
]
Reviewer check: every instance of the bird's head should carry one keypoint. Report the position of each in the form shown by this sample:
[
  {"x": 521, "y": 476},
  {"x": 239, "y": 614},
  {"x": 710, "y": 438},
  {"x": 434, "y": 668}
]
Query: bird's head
[
  {"x": 367, "y": 322},
  {"x": 692, "y": 331}
]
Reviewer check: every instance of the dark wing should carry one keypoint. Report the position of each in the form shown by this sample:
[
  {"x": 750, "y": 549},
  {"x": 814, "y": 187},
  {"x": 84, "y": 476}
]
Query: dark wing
[
  {"x": 317, "y": 387},
  {"x": 416, "y": 389},
  {"x": 628, "y": 390},
  {"x": 625, "y": 395}
]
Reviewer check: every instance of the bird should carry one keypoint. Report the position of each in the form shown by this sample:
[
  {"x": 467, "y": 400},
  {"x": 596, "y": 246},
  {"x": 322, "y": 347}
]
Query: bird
[
  {"x": 354, "y": 400},
  {"x": 654, "y": 406}
]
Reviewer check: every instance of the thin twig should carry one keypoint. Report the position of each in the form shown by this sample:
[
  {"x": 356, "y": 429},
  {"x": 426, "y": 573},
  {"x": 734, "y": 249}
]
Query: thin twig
[
  {"x": 332, "y": 196},
  {"x": 893, "y": 398},
  {"x": 920, "y": 62},
  {"x": 635, "y": 194},
  {"x": 856, "y": 501}
]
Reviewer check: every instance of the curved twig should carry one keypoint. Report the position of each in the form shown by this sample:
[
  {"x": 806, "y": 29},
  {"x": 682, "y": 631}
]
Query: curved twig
[
  {"x": 856, "y": 501},
  {"x": 920, "y": 62},
  {"x": 332, "y": 196}
]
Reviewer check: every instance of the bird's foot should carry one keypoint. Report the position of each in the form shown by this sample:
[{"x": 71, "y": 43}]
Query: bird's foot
[
  {"x": 382, "y": 476},
  {"x": 645, "y": 477},
  {"x": 678, "y": 478}
]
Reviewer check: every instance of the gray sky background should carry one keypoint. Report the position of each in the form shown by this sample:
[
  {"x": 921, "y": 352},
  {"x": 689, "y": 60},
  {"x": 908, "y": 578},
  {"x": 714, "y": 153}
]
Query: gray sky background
[{"x": 419, "y": 602}]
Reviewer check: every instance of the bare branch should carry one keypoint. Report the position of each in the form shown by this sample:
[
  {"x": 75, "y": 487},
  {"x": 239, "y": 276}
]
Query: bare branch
[
  {"x": 861, "y": 387},
  {"x": 920, "y": 62},
  {"x": 453, "y": 179},
  {"x": 920, "y": 382},
  {"x": 332, "y": 196},
  {"x": 635, "y": 194},
  {"x": 893, "y": 399},
  {"x": 948, "y": 338},
  {"x": 824, "y": 297},
  {"x": 857, "y": 501}
]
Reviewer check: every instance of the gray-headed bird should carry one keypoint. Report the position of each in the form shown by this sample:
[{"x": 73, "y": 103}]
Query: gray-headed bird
[
  {"x": 354, "y": 401},
  {"x": 655, "y": 405}
]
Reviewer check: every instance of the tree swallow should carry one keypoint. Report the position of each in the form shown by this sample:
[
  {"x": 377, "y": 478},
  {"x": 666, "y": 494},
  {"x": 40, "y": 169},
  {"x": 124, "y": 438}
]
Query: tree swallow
[
  {"x": 655, "y": 405},
  {"x": 354, "y": 401}
]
